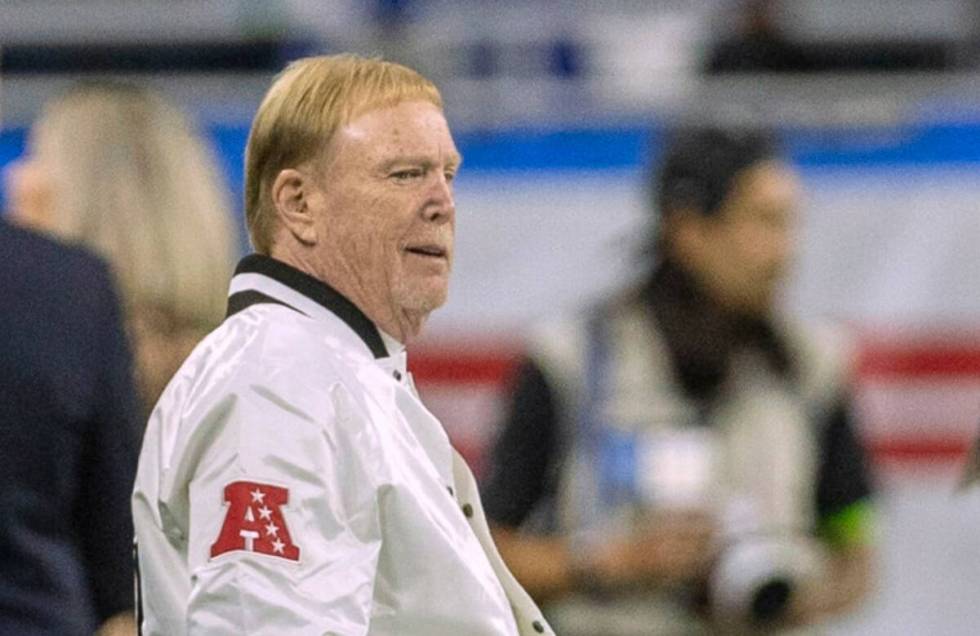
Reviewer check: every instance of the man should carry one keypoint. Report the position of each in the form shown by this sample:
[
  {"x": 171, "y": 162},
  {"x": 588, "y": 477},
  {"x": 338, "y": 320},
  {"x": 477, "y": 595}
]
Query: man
[
  {"x": 69, "y": 433},
  {"x": 678, "y": 420},
  {"x": 291, "y": 482}
]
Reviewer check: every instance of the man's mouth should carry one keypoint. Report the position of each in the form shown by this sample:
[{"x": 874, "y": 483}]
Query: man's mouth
[{"x": 431, "y": 251}]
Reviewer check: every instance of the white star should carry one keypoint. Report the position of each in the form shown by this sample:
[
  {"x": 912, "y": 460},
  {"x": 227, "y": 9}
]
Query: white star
[
  {"x": 278, "y": 546},
  {"x": 272, "y": 530},
  {"x": 258, "y": 496},
  {"x": 265, "y": 513}
]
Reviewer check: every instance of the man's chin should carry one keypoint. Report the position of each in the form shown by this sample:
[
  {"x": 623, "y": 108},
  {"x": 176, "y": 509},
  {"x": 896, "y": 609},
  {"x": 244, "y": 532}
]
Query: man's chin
[
  {"x": 760, "y": 306},
  {"x": 750, "y": 306},
  {"x": 425, "y": 299}
]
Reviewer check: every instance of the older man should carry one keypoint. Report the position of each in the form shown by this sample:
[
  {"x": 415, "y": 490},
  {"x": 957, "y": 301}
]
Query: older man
[{"x": 291, "y": 482}]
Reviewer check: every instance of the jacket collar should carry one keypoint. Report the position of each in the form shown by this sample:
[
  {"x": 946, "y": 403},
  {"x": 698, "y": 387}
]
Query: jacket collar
[{"x": 262, "y": 279}]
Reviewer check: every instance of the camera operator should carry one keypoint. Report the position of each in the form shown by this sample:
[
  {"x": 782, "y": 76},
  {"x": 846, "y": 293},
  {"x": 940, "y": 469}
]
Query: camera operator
[{"x": 682, "y": 457}]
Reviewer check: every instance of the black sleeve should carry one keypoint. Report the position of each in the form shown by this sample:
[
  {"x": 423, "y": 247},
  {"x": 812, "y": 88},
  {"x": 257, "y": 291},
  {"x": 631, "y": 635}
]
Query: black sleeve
[
  {"x": 843, "y": 476},
  {"x": 525, "y": 449},
  {"x": 108, "y": 466}
]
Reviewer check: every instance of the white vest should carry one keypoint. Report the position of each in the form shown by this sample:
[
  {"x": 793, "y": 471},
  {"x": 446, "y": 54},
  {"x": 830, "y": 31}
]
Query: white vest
[{"x": 761, "y": 436}]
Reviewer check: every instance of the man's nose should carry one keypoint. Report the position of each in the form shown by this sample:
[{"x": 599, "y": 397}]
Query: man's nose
[{"x": 440, "y": 206}]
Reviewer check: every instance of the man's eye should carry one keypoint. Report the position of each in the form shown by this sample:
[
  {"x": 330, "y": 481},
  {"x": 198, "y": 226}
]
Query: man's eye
[
  {"x": 406, "y": 175},
  {"x": 450, "y": 175}
]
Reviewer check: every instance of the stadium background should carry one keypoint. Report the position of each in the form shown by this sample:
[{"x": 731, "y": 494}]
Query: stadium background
[{"x": 557, "y": 107}]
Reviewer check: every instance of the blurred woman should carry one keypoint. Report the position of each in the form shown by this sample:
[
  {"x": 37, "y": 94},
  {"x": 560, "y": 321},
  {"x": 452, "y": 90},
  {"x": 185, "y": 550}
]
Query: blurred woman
[{"x": 117, "y": 169}]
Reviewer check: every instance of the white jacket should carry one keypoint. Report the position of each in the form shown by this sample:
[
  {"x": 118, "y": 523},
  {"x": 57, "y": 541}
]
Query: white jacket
[{"x": 291, "y": 482}]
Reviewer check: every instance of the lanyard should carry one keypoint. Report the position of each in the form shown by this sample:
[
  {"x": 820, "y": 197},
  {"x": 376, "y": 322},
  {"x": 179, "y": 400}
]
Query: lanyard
[{"x": 608, "y": 455}]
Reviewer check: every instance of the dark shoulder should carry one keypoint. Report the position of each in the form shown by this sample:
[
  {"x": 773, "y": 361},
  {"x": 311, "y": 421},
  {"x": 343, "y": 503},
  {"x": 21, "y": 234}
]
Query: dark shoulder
[
  {"x": 33, "y": 256},
  {"x": 62, "y": 328},
  {"x": 38, "y": 268}
]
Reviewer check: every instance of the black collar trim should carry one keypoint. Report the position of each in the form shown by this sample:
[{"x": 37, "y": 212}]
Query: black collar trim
[
  {"x": 240, "y": 301},
  {"x": 316, "y": 290}
]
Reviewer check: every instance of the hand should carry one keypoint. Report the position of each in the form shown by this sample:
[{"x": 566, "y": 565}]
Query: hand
[
  {"x": 845, "y": 583},
  {"x": 665, "y": 548},
  {"x": 122, "y": 624}
]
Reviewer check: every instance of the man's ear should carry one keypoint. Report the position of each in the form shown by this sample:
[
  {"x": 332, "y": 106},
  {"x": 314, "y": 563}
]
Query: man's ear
[{"x": 294, "y": 194}]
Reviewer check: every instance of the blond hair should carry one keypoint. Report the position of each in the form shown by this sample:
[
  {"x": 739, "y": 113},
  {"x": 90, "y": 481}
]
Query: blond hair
[
  {"x": 133, "y": 181},
  {"x": 304, "y": 107}
]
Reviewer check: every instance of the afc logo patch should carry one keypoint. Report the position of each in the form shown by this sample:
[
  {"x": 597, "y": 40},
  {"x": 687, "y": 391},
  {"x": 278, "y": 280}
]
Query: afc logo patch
[{"x": 254, "y": 521}]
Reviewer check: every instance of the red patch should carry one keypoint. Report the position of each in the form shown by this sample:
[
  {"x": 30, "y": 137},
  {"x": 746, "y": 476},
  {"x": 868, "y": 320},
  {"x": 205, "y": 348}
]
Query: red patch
[{"x": 254, "y": 521}]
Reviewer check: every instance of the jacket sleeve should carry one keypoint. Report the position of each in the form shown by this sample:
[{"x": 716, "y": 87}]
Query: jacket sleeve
[
  {"x": 522, "y": 463},
  {"x": 283, "y": 534},
  {"x": 845, "y": 493},
  {"x": 108, "y": 464}
]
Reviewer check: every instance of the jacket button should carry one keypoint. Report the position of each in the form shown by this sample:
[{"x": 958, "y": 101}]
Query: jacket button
[
  {"x": 468, "y": 510},
  {"x": 450, "y": 489},
  {"x": 538, "y": 627},
  {"x": 397, "y": 375}
]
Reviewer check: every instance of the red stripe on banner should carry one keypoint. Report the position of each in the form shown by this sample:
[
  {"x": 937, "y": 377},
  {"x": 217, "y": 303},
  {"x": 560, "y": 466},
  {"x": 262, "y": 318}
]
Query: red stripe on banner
[
  {"x": 918, "y": 448},
  {"x": 916, "y": 361},
  {"x": 462, "y": 366},
  {"x": 877, "y": 360},
  {"x": 884, "y": 362}
]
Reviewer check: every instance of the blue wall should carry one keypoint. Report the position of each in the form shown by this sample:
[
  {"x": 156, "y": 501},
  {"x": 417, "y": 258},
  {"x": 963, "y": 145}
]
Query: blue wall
[{"x": 628, "y": 148}]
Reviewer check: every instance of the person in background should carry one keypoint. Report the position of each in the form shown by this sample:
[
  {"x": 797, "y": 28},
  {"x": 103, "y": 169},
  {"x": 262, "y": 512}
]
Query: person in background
[
  {"x": 291, "y": 481},
  {"x": 69, "y": 434},
  {"x": 117, "y": 169},
  {"x": 649, "y": 438}
]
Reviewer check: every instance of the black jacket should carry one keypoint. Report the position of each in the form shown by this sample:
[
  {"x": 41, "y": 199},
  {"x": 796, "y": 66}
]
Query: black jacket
[{"x": 69, "y": 439}]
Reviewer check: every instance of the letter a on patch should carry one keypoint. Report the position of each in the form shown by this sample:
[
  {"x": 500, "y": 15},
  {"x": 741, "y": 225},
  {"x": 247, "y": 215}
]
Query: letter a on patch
[{"x": 254, "y": 521}]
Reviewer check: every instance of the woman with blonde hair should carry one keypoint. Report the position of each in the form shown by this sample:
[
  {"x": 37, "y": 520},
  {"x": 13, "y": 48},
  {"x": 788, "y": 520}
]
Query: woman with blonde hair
[{"x": 117, "y": 169}]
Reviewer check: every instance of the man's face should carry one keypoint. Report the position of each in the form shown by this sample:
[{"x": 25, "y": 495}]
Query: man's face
[
  {"x": 745, "y": 249},
  {"x": 385, "y": 215}
]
